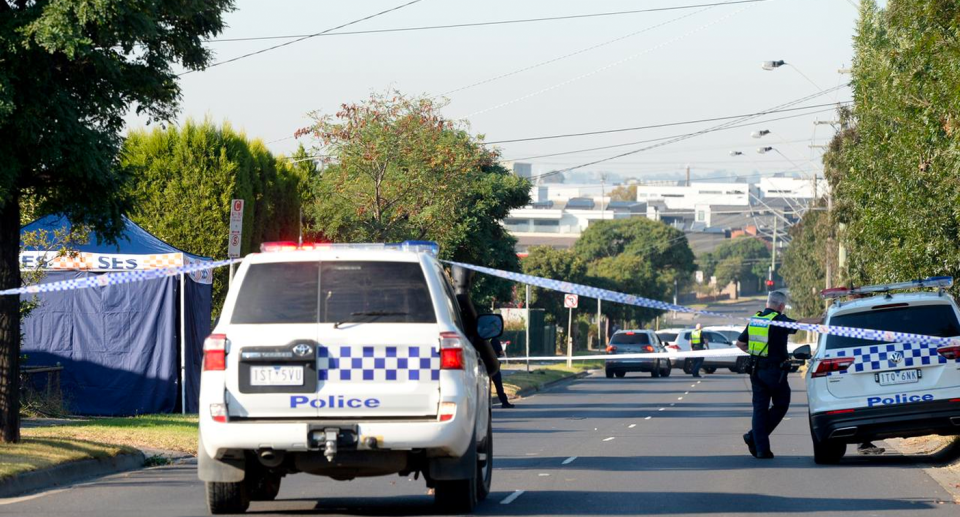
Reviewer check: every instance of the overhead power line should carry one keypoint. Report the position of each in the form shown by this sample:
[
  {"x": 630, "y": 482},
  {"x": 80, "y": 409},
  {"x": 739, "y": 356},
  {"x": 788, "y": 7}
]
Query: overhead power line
[
  {"x": 655, "y": 126},
  {"x": 610, "y": 65},
  {"x": 308, "y": 36},
  {"x": 688, "y": 135},
  {"x": 660, "y": 139},
  {"x": 482, "y": 24}
]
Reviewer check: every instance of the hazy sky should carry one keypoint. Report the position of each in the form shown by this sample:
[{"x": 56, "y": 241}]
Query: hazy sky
[{"x": 669, "y": 66}]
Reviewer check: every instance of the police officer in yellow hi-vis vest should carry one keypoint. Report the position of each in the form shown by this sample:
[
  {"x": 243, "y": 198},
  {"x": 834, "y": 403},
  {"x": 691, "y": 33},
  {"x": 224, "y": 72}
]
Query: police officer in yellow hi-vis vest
[
  {"x": 767, "y": 346},
  {"x": 697, "y": 342}
]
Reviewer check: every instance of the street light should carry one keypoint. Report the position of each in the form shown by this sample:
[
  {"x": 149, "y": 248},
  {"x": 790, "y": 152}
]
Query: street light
[
  {"x": 764, "y": 150},
  {"x": 761, "y": 133},
  {"x": 736, "y": 153},
  {"x": 770, "y": 65}
]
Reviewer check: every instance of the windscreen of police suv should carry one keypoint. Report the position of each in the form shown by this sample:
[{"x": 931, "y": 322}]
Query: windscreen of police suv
[
  {"x": 630, "y": 339},
  {"x": 334, "y": 292},
  {"x": 932, "y": 320}
]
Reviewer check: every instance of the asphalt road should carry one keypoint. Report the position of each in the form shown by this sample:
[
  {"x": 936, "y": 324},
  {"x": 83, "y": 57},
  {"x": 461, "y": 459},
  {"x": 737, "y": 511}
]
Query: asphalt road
[{"x": 632, "y": 446}]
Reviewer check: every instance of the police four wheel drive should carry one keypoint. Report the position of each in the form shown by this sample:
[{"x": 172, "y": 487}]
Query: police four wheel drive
[
  {"x": 347, "y": 361},
  {"x": 860, "y": 390}
]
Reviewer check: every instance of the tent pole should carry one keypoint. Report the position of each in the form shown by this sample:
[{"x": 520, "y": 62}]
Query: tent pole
[{"x": 183, "y": 345}]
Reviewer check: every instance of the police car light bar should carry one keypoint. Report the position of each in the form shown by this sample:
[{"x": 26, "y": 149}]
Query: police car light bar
[
  {"x": 941, "y": 282},
  {"x": 415, "y": 246}
]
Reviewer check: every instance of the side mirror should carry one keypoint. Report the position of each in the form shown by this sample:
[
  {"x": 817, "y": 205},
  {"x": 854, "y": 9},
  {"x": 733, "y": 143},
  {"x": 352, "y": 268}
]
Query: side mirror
[
  {"x": 489, "y": 326},
  {"x": 802, "y": 353}
]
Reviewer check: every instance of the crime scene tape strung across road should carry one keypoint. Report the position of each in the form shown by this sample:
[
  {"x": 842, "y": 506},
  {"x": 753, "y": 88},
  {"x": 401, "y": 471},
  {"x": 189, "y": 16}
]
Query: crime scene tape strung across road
[
  {"x": 628, "y": 299},
  {"x": 117, "y": 278}
]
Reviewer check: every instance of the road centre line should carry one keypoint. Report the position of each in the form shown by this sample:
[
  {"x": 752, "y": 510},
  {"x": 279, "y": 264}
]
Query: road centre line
[
  {"x": 569, "y": 460},
  {"x": 661, "y": 409},
  {"x": 679, "y": 398},
  {"x": 512, "y": 497},
  {"x": 631, "y": 426},
  {"x": 648, "y": 418},
  {"x": 609, "y": 439}
]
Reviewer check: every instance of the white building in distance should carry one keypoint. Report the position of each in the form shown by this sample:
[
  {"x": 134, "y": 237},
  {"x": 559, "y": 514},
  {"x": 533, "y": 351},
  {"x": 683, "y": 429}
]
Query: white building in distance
[{"x": 699, "y": 193}]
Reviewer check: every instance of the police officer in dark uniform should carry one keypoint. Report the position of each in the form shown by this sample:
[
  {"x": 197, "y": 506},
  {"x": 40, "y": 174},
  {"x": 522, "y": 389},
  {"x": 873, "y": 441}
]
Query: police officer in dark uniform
[{"x": 769, "y": 361}]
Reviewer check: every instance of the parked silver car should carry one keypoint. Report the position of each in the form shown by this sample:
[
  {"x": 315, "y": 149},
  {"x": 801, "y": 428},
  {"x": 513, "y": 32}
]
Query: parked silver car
[{"x": 636, "y": 342}]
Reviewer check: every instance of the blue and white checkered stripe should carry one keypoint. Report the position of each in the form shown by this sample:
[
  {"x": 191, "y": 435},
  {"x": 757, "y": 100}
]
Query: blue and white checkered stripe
[
  {"x": 378, "y": 363},
  {"x": 613, "y": 296},
  {"x": 874, "y": 358},
  {"x": 116, "y": 278}
]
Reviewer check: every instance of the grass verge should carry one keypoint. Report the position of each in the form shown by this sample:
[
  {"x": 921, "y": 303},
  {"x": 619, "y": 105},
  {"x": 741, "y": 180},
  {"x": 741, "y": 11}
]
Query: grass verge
[
  {"x": 39, "y": 453},
  {"x": 168, "y": 432},
  {"x": 523, "y": 380}
]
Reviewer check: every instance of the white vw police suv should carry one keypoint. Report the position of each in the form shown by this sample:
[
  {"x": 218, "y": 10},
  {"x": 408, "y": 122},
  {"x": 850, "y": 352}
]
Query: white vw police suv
[
  {"x": 345, "y": 361},
  {"x": 859, "y": 390}
]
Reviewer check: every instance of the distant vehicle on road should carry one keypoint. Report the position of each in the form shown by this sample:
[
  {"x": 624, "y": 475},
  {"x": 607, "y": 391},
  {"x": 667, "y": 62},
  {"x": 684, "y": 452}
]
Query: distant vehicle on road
[
  {"x": 715, "y": 340},
  {"x": 669, "y": 337},
  {"x": 636, "y": 342},
  {"x": 346, "y": 361},
  {"x": 861, "y": 390}
]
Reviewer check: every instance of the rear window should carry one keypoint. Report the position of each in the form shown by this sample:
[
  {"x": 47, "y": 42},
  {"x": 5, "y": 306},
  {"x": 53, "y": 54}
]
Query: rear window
[
  {"x": 931, "y": 320},
  {"x": 667, "y": 336},
  {"x": 637, "y": 338},
  {"x": 332, "y": 292}
]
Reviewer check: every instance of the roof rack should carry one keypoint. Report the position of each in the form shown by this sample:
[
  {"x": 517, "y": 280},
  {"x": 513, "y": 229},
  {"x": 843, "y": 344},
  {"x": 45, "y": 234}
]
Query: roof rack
[{"x": 940, "y": 282}]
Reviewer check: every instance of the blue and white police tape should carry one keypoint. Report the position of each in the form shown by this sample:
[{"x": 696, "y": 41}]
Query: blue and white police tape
[
  {"x": 125, "y": 277},
  {"x": 628, "y": 299}
]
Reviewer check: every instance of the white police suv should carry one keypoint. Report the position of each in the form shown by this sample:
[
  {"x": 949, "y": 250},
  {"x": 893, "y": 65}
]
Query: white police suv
[
  {"x": 860, "y": 390},
  {"x": 346, "y": 361}
]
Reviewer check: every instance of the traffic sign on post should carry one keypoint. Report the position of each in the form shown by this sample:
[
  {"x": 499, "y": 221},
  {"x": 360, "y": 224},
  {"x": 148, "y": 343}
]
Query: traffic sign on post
[
  {"x": 236, "y": 228},
  {"x": 570, "y": 301}
]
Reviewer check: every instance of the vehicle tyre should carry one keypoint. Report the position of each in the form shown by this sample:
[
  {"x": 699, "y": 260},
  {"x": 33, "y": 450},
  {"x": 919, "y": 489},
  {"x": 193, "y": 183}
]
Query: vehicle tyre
[
  {"x": 621, "y": 375},
  {"x": 741, "y": 366},
  {"x": 688, "y": 367},
  {"x": 225, "y": 498},
  {"x": 826, "y": 452},
  {"x": 666, "y": 371},
  {"x": 458, "y": 495},
  {"x": 712, "y": 369},
  {"x": 263, "y": 487},
  {"x": 485, "y": 463},
  {"x": 609, "y": 373},
  {"x": 656, "y": 372}
]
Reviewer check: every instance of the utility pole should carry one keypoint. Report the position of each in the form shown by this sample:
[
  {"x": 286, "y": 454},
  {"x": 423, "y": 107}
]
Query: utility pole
[
  {"x": 603, "y": 216},
  {"x": 773, "y": 261},
  {"x": 688, "y": 175},
  {"x": 526, "y": 339}
]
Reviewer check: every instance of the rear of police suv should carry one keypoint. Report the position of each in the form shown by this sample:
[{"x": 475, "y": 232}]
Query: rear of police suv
[
  {"x": 343, "y": 361},
  {"x": 860, "y": 389}
]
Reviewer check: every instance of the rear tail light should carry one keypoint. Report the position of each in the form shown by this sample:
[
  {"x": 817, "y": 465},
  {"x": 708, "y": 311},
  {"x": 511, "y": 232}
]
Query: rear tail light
[
  {"x": 836, "y": 364},
  {"x": 447, "y": 410},
  {"x": 675, "y": 347},
  {"x": 648, "y": 348},
  {"x": 451, "y": 351},
  {"x": 218, "y": 412},
  {"x": 215, "y": 353},
  {"x": 950, "y": 352},
  {"x": 611, "y": 349}
]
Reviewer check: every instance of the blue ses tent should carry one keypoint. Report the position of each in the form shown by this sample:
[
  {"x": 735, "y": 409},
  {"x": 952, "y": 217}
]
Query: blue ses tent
[{"x": 126, "y": 349}]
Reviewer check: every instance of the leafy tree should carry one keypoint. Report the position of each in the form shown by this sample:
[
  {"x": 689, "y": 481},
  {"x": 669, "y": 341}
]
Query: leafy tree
[
  {"x": 630, "y": 274},
  {"x": 745, "y": 259},
  {"x": 184, "y": 178},
  {"x": 70, "y": 70},
  {"x": 547, "y": 262},
  {"x": 401, "y": 171},
  {"x": 895, "y": 183},
  {"x": 624, "y": 193},
  {"x": 804, "y": 261}
]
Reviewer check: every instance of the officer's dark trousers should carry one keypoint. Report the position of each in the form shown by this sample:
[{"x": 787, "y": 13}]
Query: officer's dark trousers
[
  {"x": 695, "y": 365},
  {"x": 498, "y": 383},
  {"x": 767, "y": 388}
]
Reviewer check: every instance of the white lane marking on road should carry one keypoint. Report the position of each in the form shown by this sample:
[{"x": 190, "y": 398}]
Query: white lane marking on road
[
  {"x": 631, "y": 426},
  {"x": 693, "y": 385},
  {"x": 661, "y": 409},
  {"x": 543, "y": 475},
  {"x": 679, "y": 398},
  {"x": 512, "y": 497},
  {"x": 698, "y": 382},
  {"x": 569, "y": 460},
  {"x": 648, "y": 418},
  {"x": 686, "y": 392},
  {"x": 609, "y": 439}
]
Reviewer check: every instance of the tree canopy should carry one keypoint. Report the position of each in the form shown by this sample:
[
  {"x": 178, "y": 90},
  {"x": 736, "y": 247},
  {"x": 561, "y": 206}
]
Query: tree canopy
[
  {"x": 744, "y": 259},
  {"x": 182, "y": 181},
  {"x": 400, "y": 171},
  {"x": 70, "y": 70}
]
